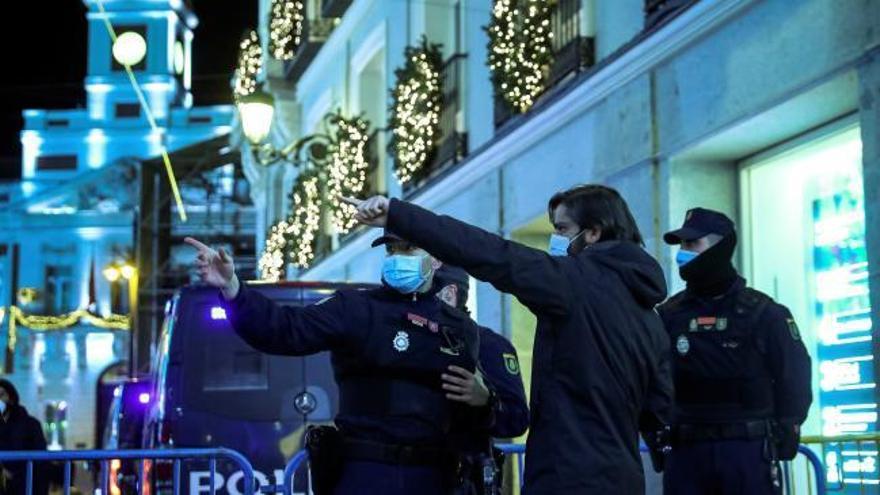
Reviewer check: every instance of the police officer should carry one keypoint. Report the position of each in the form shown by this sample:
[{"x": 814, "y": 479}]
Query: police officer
[
  {"x": 498, "y": 384},
  {"x": 741, "y": 371},
  {"x": 389, "y": 347}
]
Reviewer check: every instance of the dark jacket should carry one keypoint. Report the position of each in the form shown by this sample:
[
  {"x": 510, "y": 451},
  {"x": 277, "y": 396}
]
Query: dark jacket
[
  {"x": 21, "y": 431},
  {"x": 600, "y": 360},
  {"x": 386, "y": 352}
]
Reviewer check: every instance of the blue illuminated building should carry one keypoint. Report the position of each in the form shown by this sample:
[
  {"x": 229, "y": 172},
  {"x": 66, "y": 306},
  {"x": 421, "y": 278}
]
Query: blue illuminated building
[{"x": 71, "y": 215}]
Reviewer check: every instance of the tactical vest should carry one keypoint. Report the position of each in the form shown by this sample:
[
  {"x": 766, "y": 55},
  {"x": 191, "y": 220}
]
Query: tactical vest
[
  {"x": 719, "y": 359},
  {"x": 397, "y": 373}
]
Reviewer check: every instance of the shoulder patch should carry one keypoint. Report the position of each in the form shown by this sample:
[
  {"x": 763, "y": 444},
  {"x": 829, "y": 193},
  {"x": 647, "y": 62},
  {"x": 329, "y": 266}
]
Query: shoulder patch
[
  {"x": 793, "y": 328},
  {"x": 511, "y": 363}
]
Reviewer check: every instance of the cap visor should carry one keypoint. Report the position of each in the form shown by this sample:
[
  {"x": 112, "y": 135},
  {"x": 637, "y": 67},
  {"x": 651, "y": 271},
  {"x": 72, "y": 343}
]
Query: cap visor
[{"x": 682, "y": 234}]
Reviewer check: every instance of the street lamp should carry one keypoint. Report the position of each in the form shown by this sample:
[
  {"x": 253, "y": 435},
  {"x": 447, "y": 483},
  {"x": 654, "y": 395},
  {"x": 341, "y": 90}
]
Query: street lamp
[
  {"x": 257, "y": 111},
  {"x": 111, "y": 273}
]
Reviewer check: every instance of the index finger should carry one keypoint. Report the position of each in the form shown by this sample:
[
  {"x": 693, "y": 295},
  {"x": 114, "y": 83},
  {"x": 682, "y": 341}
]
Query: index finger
[
  {"x": 352, "y": 201},
  {"x": 196, "y": 244}
]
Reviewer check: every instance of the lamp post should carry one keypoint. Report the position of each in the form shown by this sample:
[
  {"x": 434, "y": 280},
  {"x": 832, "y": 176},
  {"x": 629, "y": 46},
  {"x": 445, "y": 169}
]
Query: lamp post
[
  {"x": 127, "y": 271},
  {"x": 256, "y": 111}
]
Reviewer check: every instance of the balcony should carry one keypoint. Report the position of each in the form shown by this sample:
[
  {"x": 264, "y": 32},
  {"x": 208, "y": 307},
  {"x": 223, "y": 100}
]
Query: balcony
[
  {"x": 334, "y": 8},
  {"x": 316, "y": 30},
  {"x": 573, "y": 52},
  {"x": 451, "y": 146}
]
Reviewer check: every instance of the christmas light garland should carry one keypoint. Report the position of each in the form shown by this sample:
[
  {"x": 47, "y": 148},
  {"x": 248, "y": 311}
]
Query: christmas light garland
[
  {"x": 347, "y": 168},
  {"x": 305, "y": 220},
  {"x": 415, "y": 110},
  {"x": 271, "y": 263},
  {"x": 41, "y": 323},
  {"x": 250, "y": 61},
  {"x": 286, "y": 21},
  {"x": 520, "y": 49}
]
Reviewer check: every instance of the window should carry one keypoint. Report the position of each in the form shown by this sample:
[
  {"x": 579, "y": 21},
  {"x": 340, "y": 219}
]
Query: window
[
  {"x": 59, "y": 289},
  {"x": 804, "y": 219},
  {"x": 56, "y": 162},
  {"x": 127, "y": 110}
]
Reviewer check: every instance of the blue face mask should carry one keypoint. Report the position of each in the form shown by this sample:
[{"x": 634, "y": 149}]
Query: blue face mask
[
  {"x": 558, "y": 245},
  {"x": 684, "y": 257},
  {"x": 404, "y": 273}
]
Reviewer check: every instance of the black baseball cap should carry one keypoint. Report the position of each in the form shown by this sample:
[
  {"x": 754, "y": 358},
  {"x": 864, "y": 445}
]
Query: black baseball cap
[
  {"x": 386, "y": 237},
  {"x": 700, "y": 222}
]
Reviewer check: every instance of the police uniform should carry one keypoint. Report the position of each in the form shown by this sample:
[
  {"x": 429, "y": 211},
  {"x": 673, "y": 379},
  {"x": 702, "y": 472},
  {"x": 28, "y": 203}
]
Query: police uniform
[
  {"x": 507, "y": 413},
  {"x": 741, "y": 374},
  {"x": 388, "y": 351}
]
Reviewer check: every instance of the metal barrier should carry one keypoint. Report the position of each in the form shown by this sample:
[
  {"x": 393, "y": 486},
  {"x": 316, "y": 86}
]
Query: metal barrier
[
  {"x": 519, "y": 450},
  {"x": 850, "y": 461},
  {"x": 105, "y": 456},
  {"x": 290, "y": 470}
]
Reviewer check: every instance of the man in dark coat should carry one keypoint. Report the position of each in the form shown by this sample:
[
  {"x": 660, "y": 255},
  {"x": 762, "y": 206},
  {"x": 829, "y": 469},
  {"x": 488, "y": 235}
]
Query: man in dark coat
[
  {"x": 19, "y": 431},
  {"x": 601, "y": 361}
]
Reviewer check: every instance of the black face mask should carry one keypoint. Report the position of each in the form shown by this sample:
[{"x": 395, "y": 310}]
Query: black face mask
[{"x": 712, "y": 272}]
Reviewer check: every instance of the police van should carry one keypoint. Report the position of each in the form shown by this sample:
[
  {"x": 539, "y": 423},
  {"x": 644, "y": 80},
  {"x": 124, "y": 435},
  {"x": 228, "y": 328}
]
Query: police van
[{"x": 213, "y": 390}]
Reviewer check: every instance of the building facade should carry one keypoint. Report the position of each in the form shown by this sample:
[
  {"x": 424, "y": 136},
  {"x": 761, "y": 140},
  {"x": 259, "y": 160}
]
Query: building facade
[
  {"x": 73, "y": 213},
  {"x": 766, "y": 110}
]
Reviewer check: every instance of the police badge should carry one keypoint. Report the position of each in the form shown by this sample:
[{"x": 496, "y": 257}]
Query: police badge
[{"x": 682, "y": 345}]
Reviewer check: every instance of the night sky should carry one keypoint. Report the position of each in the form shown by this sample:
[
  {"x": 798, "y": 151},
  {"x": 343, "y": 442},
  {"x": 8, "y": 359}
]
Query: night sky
[{"x": 47, "y": 55}]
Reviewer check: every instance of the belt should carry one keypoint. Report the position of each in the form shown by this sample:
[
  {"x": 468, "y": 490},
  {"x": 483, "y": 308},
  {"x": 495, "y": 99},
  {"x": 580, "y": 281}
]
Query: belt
[
  {"x": 686, "y": 433},
  {"x": 365, "y": 450}
]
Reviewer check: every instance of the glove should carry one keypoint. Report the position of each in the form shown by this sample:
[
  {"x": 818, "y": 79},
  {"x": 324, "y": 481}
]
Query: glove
[{"x": 787, "y": 437}]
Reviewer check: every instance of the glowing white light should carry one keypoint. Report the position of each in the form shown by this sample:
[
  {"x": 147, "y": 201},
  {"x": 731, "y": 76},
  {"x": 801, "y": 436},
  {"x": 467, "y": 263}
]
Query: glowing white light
[
  {"x": 179, "y": 58},
  {"x": 130, "y": 48}
]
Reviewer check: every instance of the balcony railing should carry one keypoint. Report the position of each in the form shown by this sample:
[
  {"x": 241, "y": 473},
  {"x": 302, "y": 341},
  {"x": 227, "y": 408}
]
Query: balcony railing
[
  {"x": 572, "y": 51},
  {"x": 451, "y": 146},
  {"x": 334, "y": 8},
  {"x": 658, "y": 10},
  {"x": 375, "y": 182},
  {"x": 316, "y": 30}
]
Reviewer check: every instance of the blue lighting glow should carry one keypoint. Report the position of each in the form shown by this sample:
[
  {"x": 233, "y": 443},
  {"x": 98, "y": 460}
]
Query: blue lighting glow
[{"x": 218, "y": 313}]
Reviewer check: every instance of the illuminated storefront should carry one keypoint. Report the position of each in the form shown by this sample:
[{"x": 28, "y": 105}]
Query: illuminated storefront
[{"x": 803, "y": 210}]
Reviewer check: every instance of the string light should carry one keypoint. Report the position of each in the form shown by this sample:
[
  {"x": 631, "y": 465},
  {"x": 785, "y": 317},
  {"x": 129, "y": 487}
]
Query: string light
[
  {"x": 347, "y": 168},
  {"x": 271, "y": 263},
  {"x": 41, "y": 323},
  {"x": 286, "y": 23},
  {"x": 305, "y": 221},
  {"x": 250, "y": 61},
  {"x": 415, "y": 110},
  {"x": 520, "y": 49}
]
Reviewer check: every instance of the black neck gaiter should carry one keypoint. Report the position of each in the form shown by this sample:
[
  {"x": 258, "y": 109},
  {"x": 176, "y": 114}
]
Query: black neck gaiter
[{"x": 712, "y": 273}]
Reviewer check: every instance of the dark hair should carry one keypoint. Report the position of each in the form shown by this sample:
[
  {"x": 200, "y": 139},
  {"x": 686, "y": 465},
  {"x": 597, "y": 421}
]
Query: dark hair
[
  {"x": 597, "y": 206},
  {"x": 10, "y": 390}
]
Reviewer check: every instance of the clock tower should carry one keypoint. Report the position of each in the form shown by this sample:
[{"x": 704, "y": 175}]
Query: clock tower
[{"x": 154, "y": 38}]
